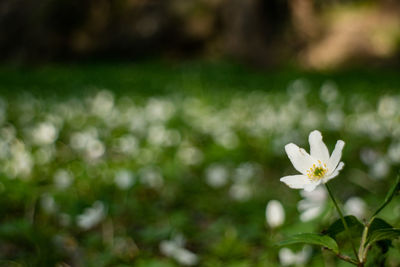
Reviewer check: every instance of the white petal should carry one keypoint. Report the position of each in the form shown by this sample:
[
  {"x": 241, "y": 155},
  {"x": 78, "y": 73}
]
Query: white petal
[
  {"x": 318, "y": 149},
  {"x": 310, "y": 187},
  {"x": 300, "y": 159},
  {"x": 335, "y": 172},
  {"x": 296, "y": 181},
  {"x": 335, "y": 157},
  {"x": 311, "y": 213}
]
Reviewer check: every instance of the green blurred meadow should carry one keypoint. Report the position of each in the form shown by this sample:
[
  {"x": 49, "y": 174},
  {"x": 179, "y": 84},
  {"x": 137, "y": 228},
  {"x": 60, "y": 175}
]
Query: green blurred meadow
[{"x": 161, "y": 163}]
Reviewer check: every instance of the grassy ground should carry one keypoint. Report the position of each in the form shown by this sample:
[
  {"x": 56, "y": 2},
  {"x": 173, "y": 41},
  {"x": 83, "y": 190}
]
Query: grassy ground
[
  {"x": 192, "y": 77},
  {"x": 161, "y": 164}
]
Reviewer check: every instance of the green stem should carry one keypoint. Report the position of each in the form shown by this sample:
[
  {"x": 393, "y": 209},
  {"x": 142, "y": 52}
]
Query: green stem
[
  {"x": 343, "y": 220},
  {"x": 361, "y": 250},
  {"x": 389, "y": 196}
]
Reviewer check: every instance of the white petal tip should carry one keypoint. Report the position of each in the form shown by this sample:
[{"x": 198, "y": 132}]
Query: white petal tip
[
  {"x": 290, "y": 145},
  {"x": 316, "y": 133},
  {"x": 340, "y": 143}
]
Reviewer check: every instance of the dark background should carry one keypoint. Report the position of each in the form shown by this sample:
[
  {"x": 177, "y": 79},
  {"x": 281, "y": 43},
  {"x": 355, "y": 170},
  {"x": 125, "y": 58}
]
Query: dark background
[{"x": 310, "y": 33}]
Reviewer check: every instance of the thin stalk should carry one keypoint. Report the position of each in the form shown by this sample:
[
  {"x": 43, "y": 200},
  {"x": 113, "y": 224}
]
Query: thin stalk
[
  {"x": 389, "y": 196},
  {"x": 343, "y": 220},
  {"x": 343, "y": 257},
  {"x": 363, "y": 240}
]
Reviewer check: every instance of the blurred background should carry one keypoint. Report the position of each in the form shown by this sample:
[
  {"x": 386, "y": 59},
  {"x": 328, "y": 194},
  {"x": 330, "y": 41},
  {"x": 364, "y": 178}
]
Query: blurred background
[
  {"x": 152, "y": 132},
  {"x": 311, "y": 33}
]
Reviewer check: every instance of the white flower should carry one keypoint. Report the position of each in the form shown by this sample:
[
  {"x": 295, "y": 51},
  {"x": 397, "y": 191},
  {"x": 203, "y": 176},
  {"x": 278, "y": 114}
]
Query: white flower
[
  {"x": 91, "y": 216},
  {"x": 312, "y": 204},
  {"x": 124, "y": 179},
  {"x": 45, "y": 133},
  {"x": 315, "y": 167},
  {"x": 274, "y": 213},
  {"x": 63, "y": 179},
  {"x": 355, "y": 206},
  {"x": 288, "y": 257},
  {"x": 175, "y": 249},
  {"x": 217, "y": 175}
]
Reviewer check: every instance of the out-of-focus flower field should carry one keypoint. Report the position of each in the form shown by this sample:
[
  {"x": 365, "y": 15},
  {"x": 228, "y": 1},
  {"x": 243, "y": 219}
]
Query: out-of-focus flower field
[{"x": 111, "y": 172}]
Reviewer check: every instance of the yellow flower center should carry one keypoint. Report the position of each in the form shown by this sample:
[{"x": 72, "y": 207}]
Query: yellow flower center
[{"x": 317, "y": 172}]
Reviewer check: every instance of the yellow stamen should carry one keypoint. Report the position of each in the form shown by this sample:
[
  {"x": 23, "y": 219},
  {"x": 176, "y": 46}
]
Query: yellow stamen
[{"x": 317, "y": 172}]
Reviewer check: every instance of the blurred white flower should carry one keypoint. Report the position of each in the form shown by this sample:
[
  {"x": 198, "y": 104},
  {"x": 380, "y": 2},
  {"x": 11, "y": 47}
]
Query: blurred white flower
[
  {"x": 88, "y": 143},
  {"x": 8, "y": 133},
  {"x": 63, "y": 179},
  {"x": 128, "y": 144},
  {"x": 91, "y": 216},
  {"x": 335, "y": 118},
  {"x": 245, "y": 172},
  {"x": 355, "y": 206},
  {"x": 20, "y": 163},
  {"x": 227, "y": 139},
  {"x": 274, "y": 214},
  {"x": 315, "y": 167},
  {"x": 394, "y": 152},
  {"x": 328, "y": 92},
  {"x": 368, "y": 156},
  {"x": 95, "y": 149},
  {"x": 44, "y": 133},
  {"x": 217, "y": 175},
  {"x": 387, "y": 106},
  {"x": 240, "y": 192},
  {"x": 48, "y": 204},
  {"x": 158, "y": 135},
  {"x": 45, "y": 154},
  {"x": 190, "y": 155},
  {"x": 287, "y": 257},
  {"x": 174, "y": 249},
  {"x": 124, "y": 179},
  {"x": 102, "y": 104},
  {"x": 312, "y": 204},
  {"x": 159, "y": 110},
  {"x": 151, "y": 176},
  {"x": 379, "y": 169}
]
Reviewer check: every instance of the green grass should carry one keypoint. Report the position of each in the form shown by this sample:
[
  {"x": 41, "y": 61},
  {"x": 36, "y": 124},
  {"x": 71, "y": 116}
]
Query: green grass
[{"x": 200, "y": 78}]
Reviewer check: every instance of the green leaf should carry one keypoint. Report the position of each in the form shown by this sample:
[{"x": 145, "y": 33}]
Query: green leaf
[
  {"x": 337, "y": 227},
  {"x": 377, "y": 224},
  {"x": 392, "y": 192},
  {"x": 315, "y": 239},
  {"x": 383, "y": 234}
]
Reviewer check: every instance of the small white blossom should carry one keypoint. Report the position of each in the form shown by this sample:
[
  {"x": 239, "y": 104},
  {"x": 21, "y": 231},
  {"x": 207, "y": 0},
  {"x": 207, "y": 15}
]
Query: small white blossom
[
  {"x": 240, "y": 191},
  {"x": 63, "y": 179},
  {"x": 315, "y": 168},
  {"x": 217, "y": 175},
  {"x": 151, "y": 176},
  {"x": 288, "y": 257},
  {"x": 274, "y": 213},
  {"x": 380, "y": 169},
  {"x": 174, "y": 249},
  {"x": 355, "y": 206},
  {"x": 312, "y": 204},
  {"x": 124, "y": 179},
  {"x": 45, "y": 133},
  {"x": 91, "y": 216}
]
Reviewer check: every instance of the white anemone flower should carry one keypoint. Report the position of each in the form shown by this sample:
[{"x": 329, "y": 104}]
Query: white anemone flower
[{"x": 315, "y": 168}]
